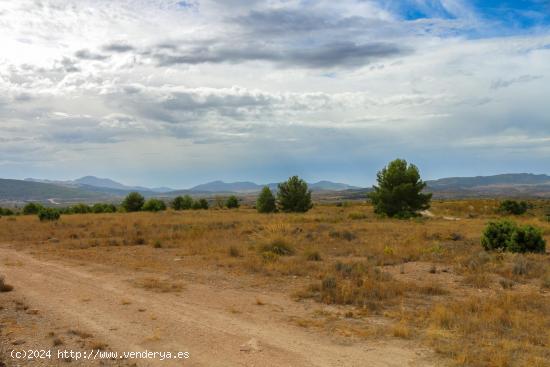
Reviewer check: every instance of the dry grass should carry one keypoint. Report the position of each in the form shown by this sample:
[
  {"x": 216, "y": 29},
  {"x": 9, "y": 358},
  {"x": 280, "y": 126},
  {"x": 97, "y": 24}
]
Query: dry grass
[
  {"x": 157, "y": 285},
  {"x": 504, "y": 330},
  {"x": 476, "y": 308},
  {"x": 81, "y": 334},
  {"x": 358, "y": 284}
]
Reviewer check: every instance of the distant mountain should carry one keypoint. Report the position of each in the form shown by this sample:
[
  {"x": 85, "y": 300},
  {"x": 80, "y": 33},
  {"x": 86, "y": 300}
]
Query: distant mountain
[
  {"x": 90, "y": 188},
  {"x": 498, "y": 180},
  {"x": 220, "y": 186},
  {"x": 92, "y": 183},
  {"x": 249, "y": 187},
  {"x": 19, "y": 190},
  {"x": 330, "y": 186},
  {"x": 102, "y": 182},
  {"x": 513, "y": 184}
]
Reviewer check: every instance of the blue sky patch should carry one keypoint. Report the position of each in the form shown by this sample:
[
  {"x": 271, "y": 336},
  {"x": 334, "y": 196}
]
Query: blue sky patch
[{"x": 512, "y": 15}]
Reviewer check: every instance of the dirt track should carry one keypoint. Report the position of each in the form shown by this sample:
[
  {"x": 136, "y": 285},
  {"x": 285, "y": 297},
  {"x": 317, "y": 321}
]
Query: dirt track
[{"x": 217, "y": 326}]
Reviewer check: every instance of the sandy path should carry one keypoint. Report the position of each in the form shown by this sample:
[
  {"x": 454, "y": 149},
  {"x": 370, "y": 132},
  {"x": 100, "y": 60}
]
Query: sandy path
[{"x": 209, "y": 322}]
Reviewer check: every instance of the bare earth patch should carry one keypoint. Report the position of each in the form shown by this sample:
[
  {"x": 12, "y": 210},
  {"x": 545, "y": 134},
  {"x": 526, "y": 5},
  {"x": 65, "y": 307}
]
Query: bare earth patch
[{"x": 193, "y": 320}]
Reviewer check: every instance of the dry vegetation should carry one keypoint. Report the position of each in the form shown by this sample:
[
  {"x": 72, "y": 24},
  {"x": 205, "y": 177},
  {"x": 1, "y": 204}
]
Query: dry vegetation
[{"x": 428, "y": 279}]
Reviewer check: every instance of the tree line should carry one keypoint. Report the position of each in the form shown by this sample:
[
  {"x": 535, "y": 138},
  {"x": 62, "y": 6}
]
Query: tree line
[{"x": 398, "y": 194}]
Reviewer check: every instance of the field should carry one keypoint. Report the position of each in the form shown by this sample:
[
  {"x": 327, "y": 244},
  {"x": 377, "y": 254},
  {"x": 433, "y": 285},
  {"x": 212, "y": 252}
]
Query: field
[{"x": 336, "y": 286}]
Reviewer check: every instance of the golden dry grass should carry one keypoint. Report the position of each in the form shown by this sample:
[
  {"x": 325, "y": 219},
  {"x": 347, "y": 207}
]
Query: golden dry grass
[{"x": 429, "y": 278}]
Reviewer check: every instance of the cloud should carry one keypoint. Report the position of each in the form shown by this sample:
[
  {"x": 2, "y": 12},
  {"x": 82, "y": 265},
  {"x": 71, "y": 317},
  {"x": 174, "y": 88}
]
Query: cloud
[
  {"x": 340, "y": 54},
  {"x": 88, "y": 55},
  {"x": 262, "y": 88},
  {"x": 505, "y": 83},
  {"x": 118, "y": 47}
]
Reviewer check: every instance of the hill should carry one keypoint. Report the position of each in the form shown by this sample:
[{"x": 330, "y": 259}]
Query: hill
[
  {"x": 250, "y": 187},
  {"x": 513, "y": 184},
  {"x": 90, "y": 188},
  {"x": 106, "y": 185},
  {"x": 220, "y": 186},
  {"x": 19, "y": 190},
  {"x": 511, "y": 179}
]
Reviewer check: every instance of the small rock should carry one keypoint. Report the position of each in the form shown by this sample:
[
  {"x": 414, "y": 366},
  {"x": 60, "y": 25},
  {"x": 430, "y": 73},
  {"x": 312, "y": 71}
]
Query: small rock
[
  {"x": 34, "y": 311},
  {"x": 251, "y": 346},
  {"x": 18, "y": 342},
  {"x": 53, "y": 240}
]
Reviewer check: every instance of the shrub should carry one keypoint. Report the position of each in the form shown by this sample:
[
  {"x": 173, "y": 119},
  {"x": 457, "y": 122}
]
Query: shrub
[
  {"x": 513, "y": 207},
  {"x": 48, "y": 214},
  {"x": 234, "y": 252},
  {"x": 97, "y": 208},
  {"x": 133, "y": 202},
  {"x": 104, "y": 208},
  {"x": 232, "y": 202},
  {"x": 497, "y": 235},
  {"x": 266, "y": 201},
  {"x": 154, "y": 205},
  {"x": 182, "y": 203},
  {"x": 278, "y": 247},
  {"x": 507, "y": 236},
  {"x": 32, "y": 208},
  {"x": 313, "y": 256},
  {"x": 81, "y": 209},
  {"x": 200, "y": 204},
  {"x": 3, "y": 286},
  {"x": 527, "y": 239},
  {"x": 294, "y": 196},
  {"x": 7, "y": 212},
  {"x": 399, "y": 191},
  {"x": 328, "y": 283},
  {"x": 203, "y": 204}
]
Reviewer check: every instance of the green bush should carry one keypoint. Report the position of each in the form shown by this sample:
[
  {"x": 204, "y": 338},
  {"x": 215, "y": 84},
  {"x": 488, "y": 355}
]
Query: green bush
[
  {"x": 7, "y": 212},
  {"x": 154, "y": 205},
  {"x": 232, "y": 202},
  {"x": 103, "y": 208},
  {"x": 200, "y": 204},
  {"x": 513, "y": 207},
  {"x": 266, "y": 201},
  {"x": 294, "y": 196},
  {"x": 48, "y": 214},
  {"x": 497, "y": 235},
  {"x": 527, "y": 239},
  {"x": 399, "y": 191},
  {"x": 508, "y": 236},
  {"x": 182, "y": 203},
  {"x": 32, "y": 208},
  {"x": 81, "y": 209},
  {"x": 133, "y": 202}
]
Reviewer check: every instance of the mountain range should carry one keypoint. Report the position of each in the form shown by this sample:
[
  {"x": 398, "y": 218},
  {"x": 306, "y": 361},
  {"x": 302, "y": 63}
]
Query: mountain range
[
  {"x": 90, "y": 188},
  {"x": 105, "y": 183},
  {"x": 250, "y": 187}
]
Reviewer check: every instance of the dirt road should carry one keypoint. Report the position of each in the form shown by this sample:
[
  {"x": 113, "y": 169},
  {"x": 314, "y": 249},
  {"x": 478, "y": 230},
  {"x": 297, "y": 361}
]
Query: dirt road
[{"x": 217, "y": 326}]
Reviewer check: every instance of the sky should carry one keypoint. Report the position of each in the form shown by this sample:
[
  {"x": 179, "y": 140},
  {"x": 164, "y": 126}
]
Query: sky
[{"x": 177, "y": 93}]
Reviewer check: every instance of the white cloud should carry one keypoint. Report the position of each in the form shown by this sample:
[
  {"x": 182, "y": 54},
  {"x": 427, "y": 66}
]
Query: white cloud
[{"x": 236, "y": 80}]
